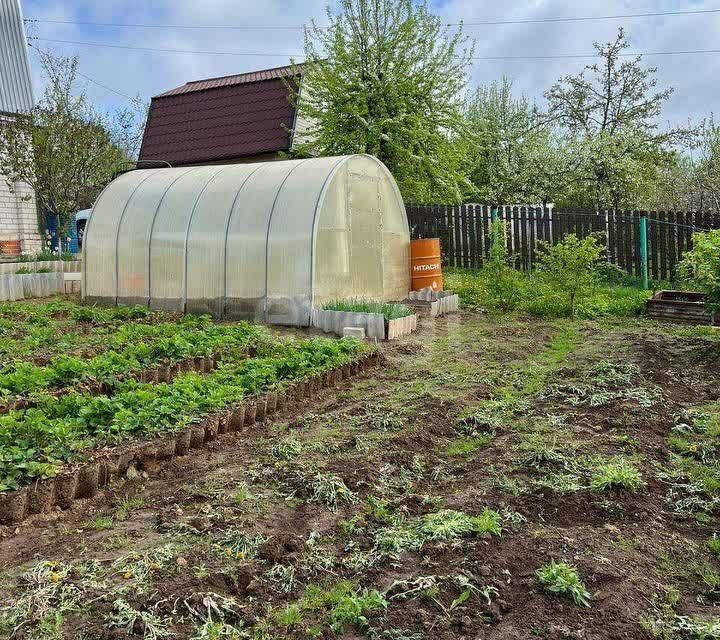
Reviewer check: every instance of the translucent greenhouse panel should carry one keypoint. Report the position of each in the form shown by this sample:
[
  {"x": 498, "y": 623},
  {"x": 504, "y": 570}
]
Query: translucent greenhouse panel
[
  {"x": 167, "y": 243},
  {"x": 206, "y": 240},
  {"x": 100, "y": 282},
  {"x": 331, "y": 272},
  {"x": 366, "y": 245},
  {"x": 133, "y": 239},
  {"x": 394, "y": 215},
  {"x": 290, "y": 242},
  {"x": 247, "y": 241},
  {"x": 396, "y": 268},
  {"x": 396, "y": 242}
]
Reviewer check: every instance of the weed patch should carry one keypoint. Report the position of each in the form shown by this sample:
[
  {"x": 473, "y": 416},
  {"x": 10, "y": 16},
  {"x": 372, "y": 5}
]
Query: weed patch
[{"x": 559, "y": 577}]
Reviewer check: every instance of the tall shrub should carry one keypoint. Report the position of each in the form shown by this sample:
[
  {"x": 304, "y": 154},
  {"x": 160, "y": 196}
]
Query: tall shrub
[
  {"x": 571, "y": 265},
  {"x": 701, "y": 266}
]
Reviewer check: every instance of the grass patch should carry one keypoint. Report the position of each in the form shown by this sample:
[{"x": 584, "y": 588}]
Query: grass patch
[
  {"x": 713, "y": 545},
  {"x": 614, "y": 475},
  {"x": 101, "y": 523},
  {"x": 464, "y": 446},
  {"x": 449, "y": 524},
  {"x": 535, "y": 295},
  {"x": 390, "y": 311},
  {"x": 127, "y": 506}
]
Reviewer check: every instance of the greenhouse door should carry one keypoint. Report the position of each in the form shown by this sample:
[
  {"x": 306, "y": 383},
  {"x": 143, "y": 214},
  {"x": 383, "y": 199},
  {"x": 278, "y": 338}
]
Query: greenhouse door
[{"x": 366, "y": 239}]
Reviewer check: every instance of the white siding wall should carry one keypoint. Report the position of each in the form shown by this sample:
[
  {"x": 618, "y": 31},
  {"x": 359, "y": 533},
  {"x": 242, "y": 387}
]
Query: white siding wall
[
  {"x": 18, "y": 217},
  {"x": 302, "y": 124}
]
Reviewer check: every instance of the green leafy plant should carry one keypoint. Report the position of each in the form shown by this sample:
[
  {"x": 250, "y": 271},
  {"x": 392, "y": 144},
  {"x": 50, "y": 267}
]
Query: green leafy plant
[
  {"x": 287, "y": 448},
  {"x": 449, "y": 524},
  {"x": 389, "y": 310},
  {"x": 330, "y": 490},
  {"x": 504, "y": 282},
  {"x": 353, "y": 609},
  {"x": 701, "y": 266},
  {"x": 559, "y": 577},
  {"x": 713, "y": 545},
  {"x": 571, "y": 266}
]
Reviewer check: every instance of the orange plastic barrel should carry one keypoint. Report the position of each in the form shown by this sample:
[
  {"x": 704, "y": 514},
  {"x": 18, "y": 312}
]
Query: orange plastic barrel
[{"x": 425, "y": 264}]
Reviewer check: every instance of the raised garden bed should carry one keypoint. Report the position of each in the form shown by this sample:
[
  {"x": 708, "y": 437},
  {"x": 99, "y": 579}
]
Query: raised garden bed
[
  {"x": 82, "y": 481},
  {"x": 117, "y": 381},
  {"x": 687, "y": 307},
  {"x": 433, "y": 303},
  {"x": 376, "y": 325},
  {"x": 19, "y": 286},
  {"x": 69, "y": 266}
]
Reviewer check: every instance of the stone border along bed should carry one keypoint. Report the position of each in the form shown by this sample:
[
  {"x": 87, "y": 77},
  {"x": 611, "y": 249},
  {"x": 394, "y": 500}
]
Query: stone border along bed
[
  {"x": 42, "y": 496},
  {"x": 159, "y": 373}
]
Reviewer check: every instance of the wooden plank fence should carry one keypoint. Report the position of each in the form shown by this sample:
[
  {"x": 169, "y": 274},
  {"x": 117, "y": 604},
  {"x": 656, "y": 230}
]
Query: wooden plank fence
[{"x": 464, "y": 232}]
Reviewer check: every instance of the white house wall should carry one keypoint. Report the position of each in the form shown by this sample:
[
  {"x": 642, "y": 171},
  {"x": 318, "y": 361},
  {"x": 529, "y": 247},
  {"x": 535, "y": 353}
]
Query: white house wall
[{"x": 18, "y": 216}]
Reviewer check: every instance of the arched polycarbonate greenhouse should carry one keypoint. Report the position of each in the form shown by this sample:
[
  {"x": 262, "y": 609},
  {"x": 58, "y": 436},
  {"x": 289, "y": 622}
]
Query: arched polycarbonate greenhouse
[{"x": 264, "y": 241}]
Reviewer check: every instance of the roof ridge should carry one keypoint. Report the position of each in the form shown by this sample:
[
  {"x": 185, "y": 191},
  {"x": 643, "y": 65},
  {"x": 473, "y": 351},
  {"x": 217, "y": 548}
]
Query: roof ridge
[
  {"x": 246, "y": 77},
  {"x": 244, "y": 73}
]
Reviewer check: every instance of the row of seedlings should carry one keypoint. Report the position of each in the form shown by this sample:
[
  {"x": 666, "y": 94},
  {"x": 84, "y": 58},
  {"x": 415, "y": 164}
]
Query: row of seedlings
[
  {"x": 152, "y": 375},
  {"x": 82, "y": 482}
]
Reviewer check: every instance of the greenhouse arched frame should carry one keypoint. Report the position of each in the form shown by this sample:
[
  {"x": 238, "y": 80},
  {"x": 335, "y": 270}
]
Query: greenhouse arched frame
[{"x": 263, "y": 241}]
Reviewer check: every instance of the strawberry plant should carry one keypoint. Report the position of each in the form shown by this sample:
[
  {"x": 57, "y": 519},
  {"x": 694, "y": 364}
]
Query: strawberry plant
[{"x": 35, "y": 441}]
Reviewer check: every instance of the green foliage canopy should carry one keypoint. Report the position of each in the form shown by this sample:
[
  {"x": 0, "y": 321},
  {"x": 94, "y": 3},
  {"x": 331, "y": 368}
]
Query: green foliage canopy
[{"x": 386, "y": 78}]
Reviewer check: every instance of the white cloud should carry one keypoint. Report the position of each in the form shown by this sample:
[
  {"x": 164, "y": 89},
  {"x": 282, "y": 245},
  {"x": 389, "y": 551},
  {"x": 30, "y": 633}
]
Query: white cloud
[{"x": 147, "y": 73}]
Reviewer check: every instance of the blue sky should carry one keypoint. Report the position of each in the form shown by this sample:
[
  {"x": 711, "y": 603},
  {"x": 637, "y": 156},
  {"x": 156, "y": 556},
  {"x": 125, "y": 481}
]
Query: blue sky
[{"x": 148, "y": 73}]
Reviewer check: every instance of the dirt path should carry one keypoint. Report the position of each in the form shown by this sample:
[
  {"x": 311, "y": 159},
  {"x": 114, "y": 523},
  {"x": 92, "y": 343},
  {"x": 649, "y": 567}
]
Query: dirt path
[{"x": 350, "y": 518}]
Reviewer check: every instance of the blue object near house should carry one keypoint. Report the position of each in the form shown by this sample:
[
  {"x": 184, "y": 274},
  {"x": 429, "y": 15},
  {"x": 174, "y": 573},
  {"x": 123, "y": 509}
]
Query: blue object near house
[{"x": 51, "y": 227}]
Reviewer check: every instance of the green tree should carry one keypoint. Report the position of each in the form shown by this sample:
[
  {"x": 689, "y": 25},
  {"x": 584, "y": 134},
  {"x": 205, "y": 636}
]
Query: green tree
[
  {"x": 571, "y": 266},
  {"x": 611, "y": 109},
  {"x": 515, "y": 153},
  {"x": 64, "y": 148},
  {"x": 504, "y": 129},
  {"x": 707, "y": 168},
  {"x": 692, "y": 181},
  {"x": 385, "y": 77}
]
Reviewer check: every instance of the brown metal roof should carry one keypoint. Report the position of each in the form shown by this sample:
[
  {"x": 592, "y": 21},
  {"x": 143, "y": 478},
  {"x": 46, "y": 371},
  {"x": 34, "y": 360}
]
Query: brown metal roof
[
  {"x": 240, "y": 78},
  {"x": 220, "y": 118}
]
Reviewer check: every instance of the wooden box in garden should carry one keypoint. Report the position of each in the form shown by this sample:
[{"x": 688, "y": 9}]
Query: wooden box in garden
[{"x": 687, "y": 307}]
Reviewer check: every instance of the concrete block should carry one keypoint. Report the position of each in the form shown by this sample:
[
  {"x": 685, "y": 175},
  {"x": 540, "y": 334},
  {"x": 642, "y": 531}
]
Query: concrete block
[{"x": 354, "y": 332}]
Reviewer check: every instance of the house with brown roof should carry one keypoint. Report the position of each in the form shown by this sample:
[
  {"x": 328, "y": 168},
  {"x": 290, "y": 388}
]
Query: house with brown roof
[{"x": 246, "y": 117}]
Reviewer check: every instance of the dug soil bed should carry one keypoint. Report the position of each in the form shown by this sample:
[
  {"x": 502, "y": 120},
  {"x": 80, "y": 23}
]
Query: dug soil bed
[{"x": 282, "y": 515}]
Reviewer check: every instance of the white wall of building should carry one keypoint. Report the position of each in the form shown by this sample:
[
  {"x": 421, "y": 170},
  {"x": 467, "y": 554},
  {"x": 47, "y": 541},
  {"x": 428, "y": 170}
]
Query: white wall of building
[{"x": 18, "y": 216}]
